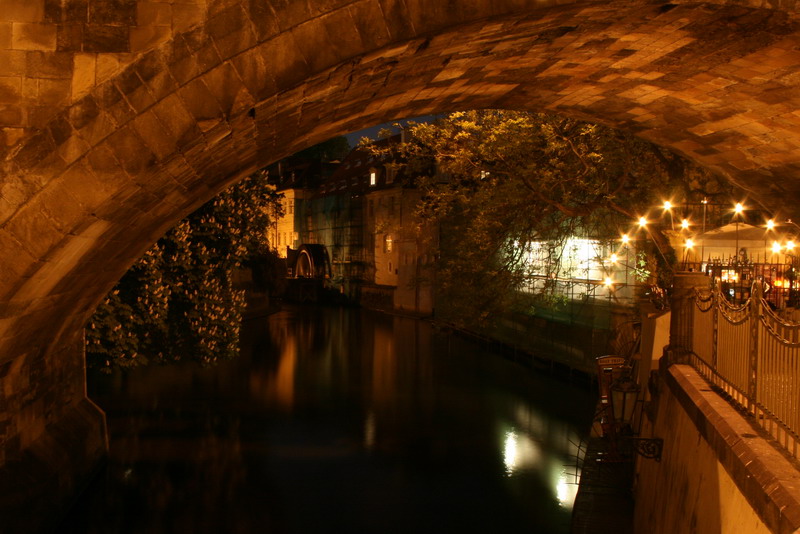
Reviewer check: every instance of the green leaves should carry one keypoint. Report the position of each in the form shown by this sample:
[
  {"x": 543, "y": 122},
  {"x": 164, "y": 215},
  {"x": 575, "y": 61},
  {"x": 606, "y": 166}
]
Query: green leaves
[
  {"x": 492, "y": 178},
  {"x": 179, "y": 300}
]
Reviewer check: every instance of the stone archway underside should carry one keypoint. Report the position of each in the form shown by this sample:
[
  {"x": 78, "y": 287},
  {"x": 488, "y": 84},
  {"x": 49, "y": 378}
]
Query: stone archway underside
[{"x": 102, "y": 174}]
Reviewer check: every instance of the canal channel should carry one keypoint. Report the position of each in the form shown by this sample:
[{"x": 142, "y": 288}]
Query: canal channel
[{"x": 338, "y": 421}]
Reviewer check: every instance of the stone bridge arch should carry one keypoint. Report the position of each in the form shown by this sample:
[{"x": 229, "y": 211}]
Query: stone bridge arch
[{"x": 121, "y": 116}]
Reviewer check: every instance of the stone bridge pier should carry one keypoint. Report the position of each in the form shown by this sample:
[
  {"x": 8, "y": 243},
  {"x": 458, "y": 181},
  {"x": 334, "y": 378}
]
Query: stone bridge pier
[{"x": 119, "y": 117}]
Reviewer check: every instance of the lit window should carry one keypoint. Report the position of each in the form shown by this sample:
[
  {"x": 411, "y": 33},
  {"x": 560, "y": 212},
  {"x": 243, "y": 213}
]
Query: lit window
[
  {"x": 373, "y": 178},
  {"x": 388, "y": 244}
]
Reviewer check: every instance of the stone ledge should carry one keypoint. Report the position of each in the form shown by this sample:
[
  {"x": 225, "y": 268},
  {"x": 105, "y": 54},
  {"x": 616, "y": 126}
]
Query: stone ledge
[{"x": 766, "y": 477}]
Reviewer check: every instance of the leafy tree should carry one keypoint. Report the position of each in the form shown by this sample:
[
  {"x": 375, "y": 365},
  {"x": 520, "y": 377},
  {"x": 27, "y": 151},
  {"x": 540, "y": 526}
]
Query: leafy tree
[
  {"x": 179, "y": 300},
  {"x": 498, "y": 181}
]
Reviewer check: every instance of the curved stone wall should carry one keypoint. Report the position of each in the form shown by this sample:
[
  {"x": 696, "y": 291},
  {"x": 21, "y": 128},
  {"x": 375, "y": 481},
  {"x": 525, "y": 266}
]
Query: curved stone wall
[{"x": 121, "y": 116}]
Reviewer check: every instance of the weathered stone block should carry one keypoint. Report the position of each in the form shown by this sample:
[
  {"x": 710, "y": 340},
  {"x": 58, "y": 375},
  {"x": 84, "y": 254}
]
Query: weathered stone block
[
  {"x": 93, "y": 125},
  {"x": 34, "y": 231},
  {"x": 10, "y": 136},
  {"x": 370, "y": 24},
  {"x": 33, "y": 36},
  {"x": 19, "y": 260},
  {"x": 60, "y": 129},
  {"x": 69, "y": 37},
  {"x": 111, "y": 100},
  {"x": 225, "y": 86},
  {"x": 72, "y": 149},
  {"x": 186, "y": 16},
  {"x": 199, "y": 101},
  {"x": 290, "y": 13},
  {"x": 284, "y": 61},
  {"x": 44, "y": 65},
  {"x": 133, "y": 155},
  {"x": 75, "y": 11},
  {"x": 106, "y": 38},
  {"x": 154, "y": 134},
  {"x": 263, "y": 19},
  {"x": 92, "y": 186},
  {"x": 318, "y": 49},
  {"x": 54, "y": 92},
  {"x": 83, "y": 75},
  {"x": 53, "y": 11},
  {"x": 116, "y": 12},
  {"x": 398, "y": 20},
  {"x": 10, "y": 89},
  {"x": 153, "y": 14},
  {"x": 5, "y": 35},
  {"x": 135, "y": 92},
  {"x": 23, "y": 10},
  {"x": 234, "y": 43},
  {"x": 107, "y": 66},
  {"x": 252, "y": 70},
  {"x": 147, "y": 37}
]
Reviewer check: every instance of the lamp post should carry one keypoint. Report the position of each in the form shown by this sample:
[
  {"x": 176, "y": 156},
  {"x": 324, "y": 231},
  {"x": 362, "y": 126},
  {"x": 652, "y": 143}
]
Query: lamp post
[
  {"x": 737, "y": 210},
  {"x": 624, "y": 397},
  {"x": 703, "y": 243}
]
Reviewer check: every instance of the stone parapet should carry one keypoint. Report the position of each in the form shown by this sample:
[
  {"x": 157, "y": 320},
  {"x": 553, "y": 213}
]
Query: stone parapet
[{"x": 718, "y": 473}]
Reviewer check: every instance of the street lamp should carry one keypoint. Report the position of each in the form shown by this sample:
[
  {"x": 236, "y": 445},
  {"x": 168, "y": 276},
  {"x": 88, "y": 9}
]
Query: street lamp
[
  {"x": 624, "y": 396},
  {"x": 668, "y": 208},
  {"x": 737, "y": 210}
]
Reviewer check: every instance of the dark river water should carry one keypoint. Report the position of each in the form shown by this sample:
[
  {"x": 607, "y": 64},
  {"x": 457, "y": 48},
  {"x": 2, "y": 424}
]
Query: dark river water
[{"x": 338, "y": 421}]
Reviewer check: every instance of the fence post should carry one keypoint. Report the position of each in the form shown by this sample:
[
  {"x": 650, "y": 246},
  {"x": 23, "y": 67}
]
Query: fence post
[
  {"x": 755, "y": 318},
  {"x": 716, "y": 297},
  {"x": 682, "y": 305}
]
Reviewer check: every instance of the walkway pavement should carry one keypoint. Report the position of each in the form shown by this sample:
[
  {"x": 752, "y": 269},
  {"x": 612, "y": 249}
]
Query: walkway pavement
[{"x": 604, "y": 503}]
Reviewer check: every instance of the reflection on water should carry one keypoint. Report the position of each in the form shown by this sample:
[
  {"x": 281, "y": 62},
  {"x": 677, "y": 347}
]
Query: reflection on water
[{"x": 337, "y": 420}]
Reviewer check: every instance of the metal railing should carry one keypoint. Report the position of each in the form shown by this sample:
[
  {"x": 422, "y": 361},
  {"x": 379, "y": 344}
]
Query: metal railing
[{"x": 753, "y": 356}]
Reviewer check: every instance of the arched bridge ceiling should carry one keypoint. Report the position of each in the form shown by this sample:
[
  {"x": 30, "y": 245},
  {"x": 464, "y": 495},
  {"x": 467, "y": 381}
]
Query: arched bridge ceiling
[{"x": 127, "y": 117}]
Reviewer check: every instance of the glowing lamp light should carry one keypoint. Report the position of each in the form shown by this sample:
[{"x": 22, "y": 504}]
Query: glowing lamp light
[
  {"x": 771, "y": 224},
  {"x": 642, "y": 221},
  {"x": 689, "y": 243},
  {"x": 667, "y": 205},
  {"x": 685, "y": 224},
  {"x": 776, "y": 247},
  {"x": 777, "y": 283},
  {"x": 613, "y": 258},
  {"x": 625, "y": 239},
  {"x": 789, "y": 245},
  {"x": 739, "y": 208},
  {"x": 608, "y": 282}
]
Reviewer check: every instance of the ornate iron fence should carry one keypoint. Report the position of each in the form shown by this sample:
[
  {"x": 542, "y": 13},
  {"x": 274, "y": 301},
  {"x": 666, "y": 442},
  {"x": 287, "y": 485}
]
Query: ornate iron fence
[{"x": 752, "y": 355}]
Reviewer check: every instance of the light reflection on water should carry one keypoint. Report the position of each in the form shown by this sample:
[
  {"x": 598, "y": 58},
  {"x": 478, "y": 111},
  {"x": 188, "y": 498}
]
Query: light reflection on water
[{"x": 338, "y": 421}]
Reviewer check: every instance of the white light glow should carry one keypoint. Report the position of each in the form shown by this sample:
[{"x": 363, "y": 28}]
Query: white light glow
[
  {"x": 520, "y": 452},
  {"x": 510, "y": 452},
  {"x": 685, "y": 224},
  {"x": 565, "y": 492},
  {"x": 642, "y": 221}
]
